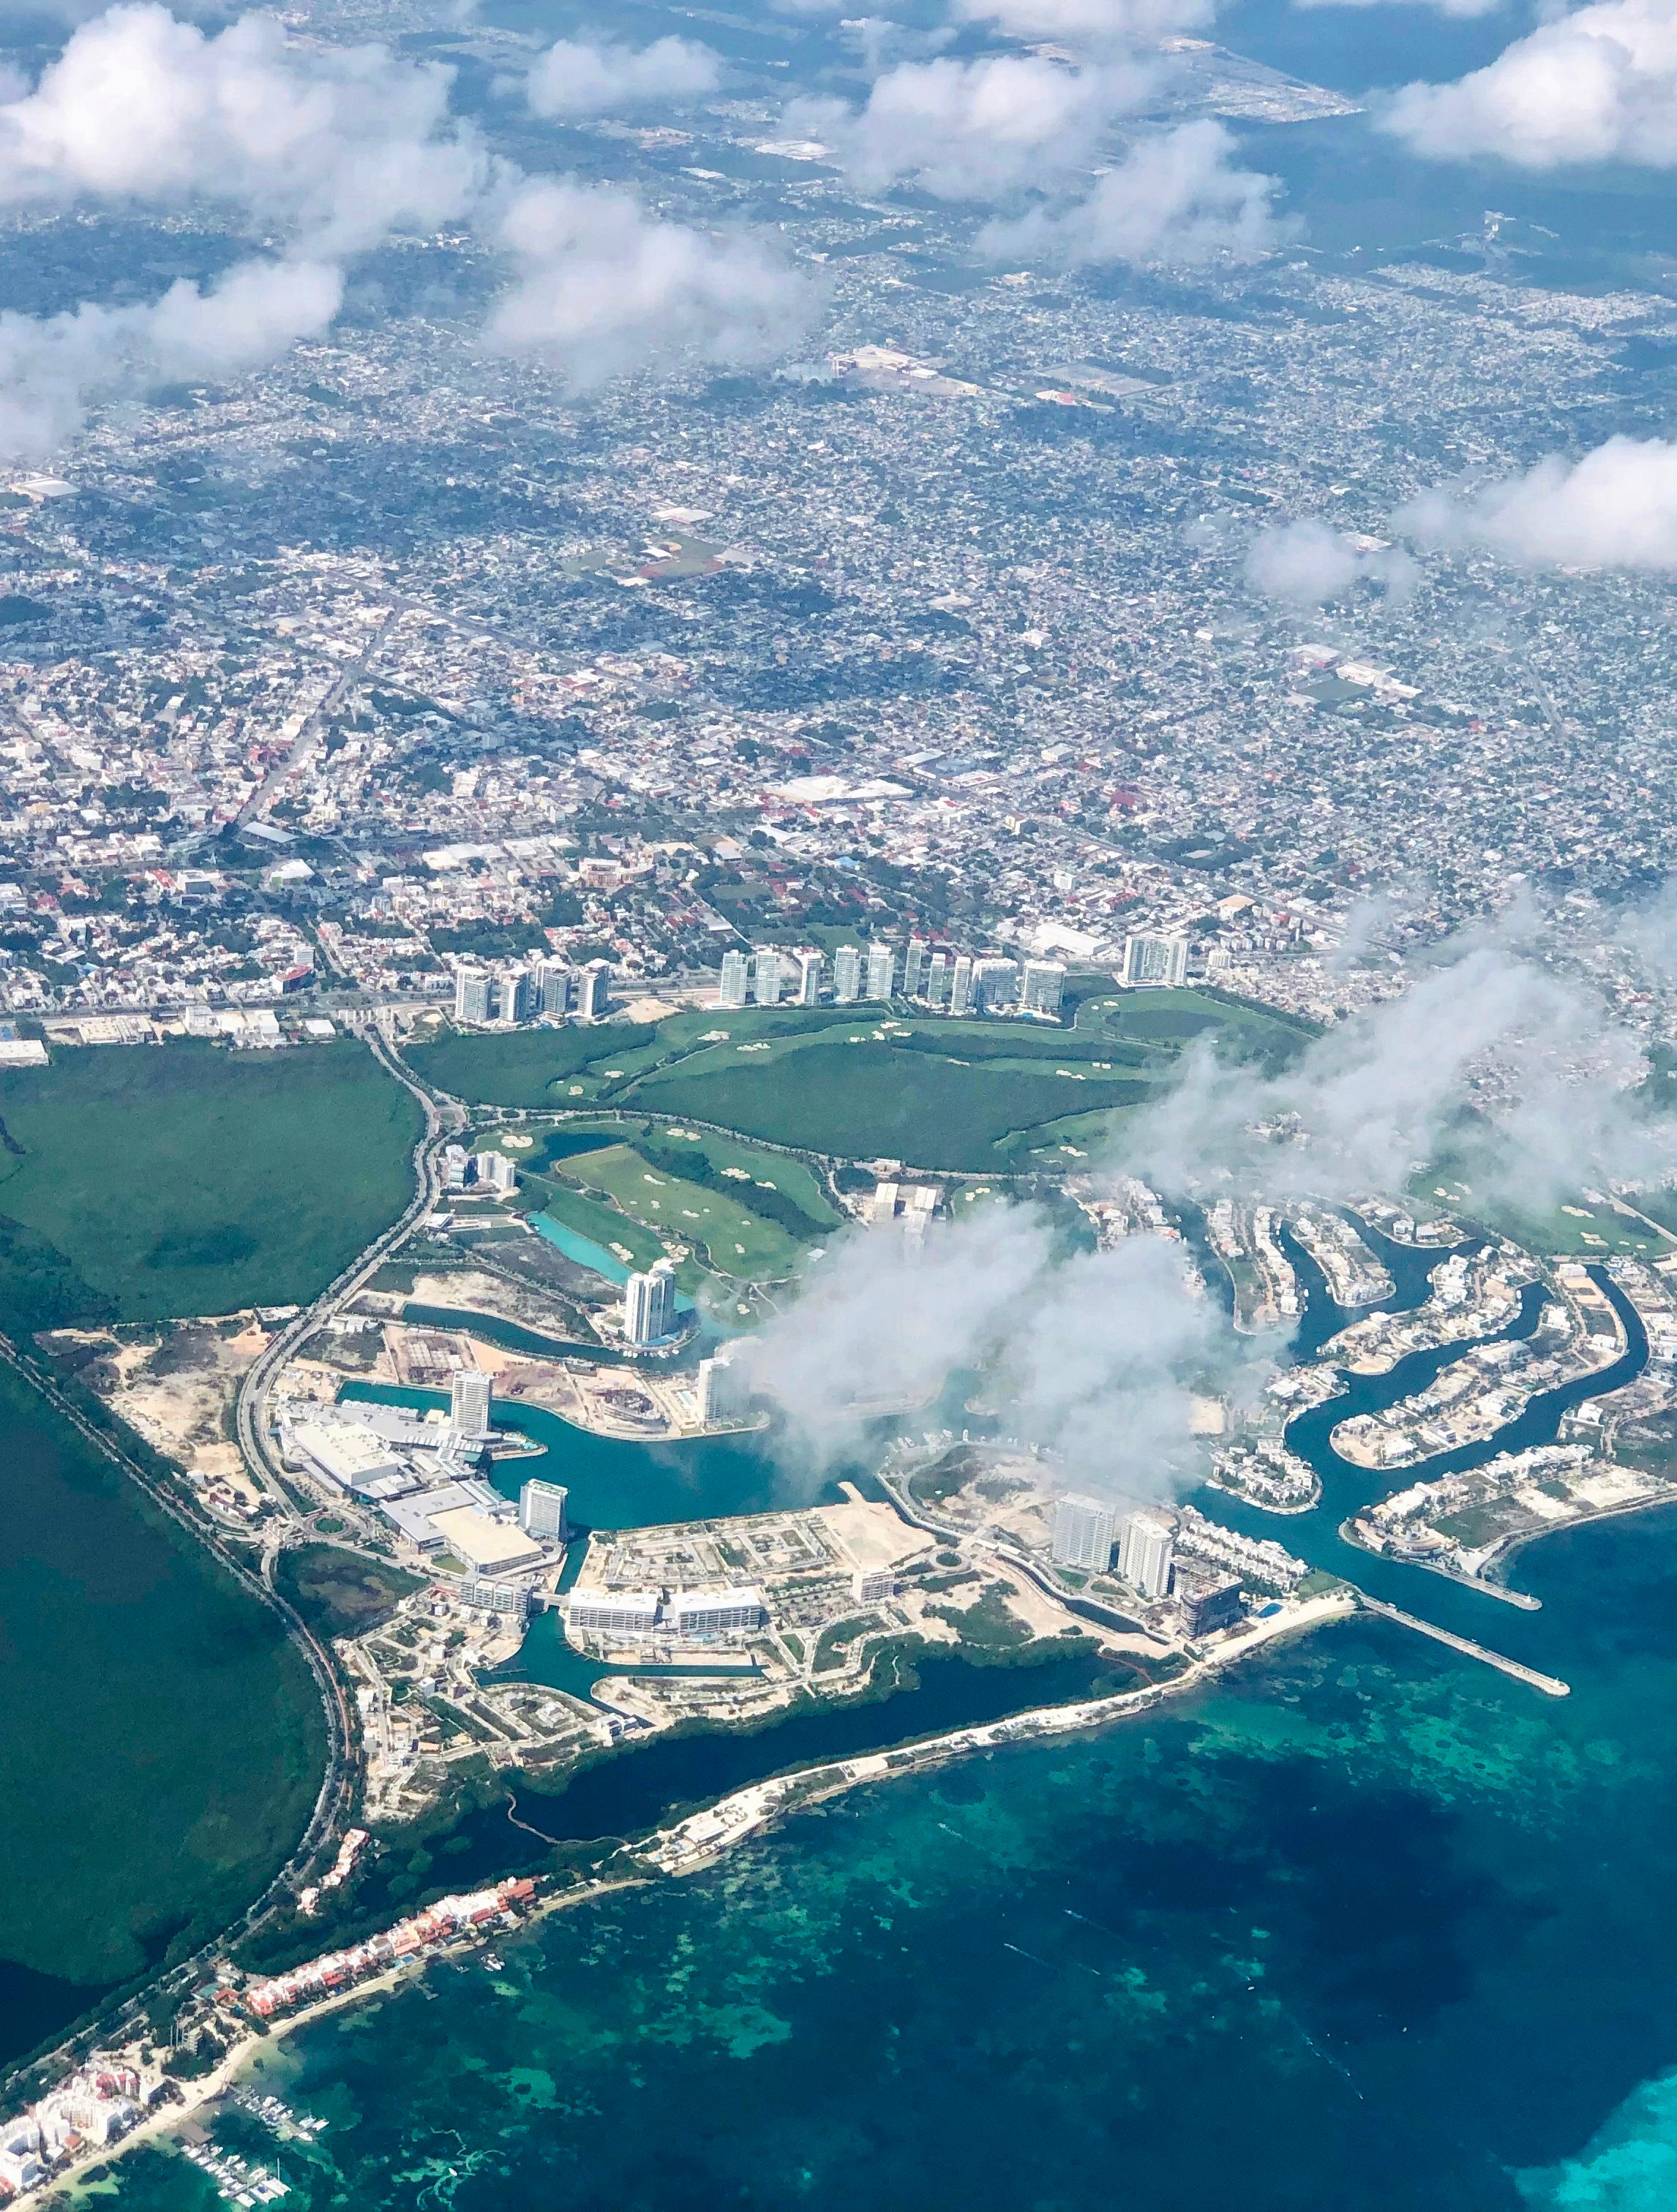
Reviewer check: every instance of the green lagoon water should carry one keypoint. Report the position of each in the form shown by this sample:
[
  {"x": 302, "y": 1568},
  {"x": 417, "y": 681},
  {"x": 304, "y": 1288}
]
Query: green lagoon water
[{"x": 1365, "y": 1925}]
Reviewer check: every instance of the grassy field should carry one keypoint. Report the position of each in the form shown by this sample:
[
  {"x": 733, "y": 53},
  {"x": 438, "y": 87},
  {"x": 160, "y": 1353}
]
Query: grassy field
[
  {"x": 143, "y": 1183},
  {"x": 601, "y": 1224},
  {"x": 755, "y": 1169},
  {"x": 162, "y": 1741},
  {"x": 867, "y": 1097},
  {"x": 974, "y": 1096},
  {"x": 1573, "y": 1229},
  {"x": 735, "y": 1241},
  {"x": 527, "y": 1067}
]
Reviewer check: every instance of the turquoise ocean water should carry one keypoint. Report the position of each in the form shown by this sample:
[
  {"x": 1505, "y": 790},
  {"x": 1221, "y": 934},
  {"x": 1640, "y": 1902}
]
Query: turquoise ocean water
[{"x": 1364, "y": 1925}]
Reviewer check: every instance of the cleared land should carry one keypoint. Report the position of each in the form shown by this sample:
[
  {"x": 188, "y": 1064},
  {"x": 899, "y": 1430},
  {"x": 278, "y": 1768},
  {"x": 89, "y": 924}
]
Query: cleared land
[
  {"x": 149, "y": 1183},
  {"x": 160, "y": 1740}
]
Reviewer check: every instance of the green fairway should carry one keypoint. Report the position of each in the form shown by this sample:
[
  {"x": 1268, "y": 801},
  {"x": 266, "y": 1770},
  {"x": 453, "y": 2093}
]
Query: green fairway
[
  {"x": 873, "y": 1098},
  {"x": 602, "y": 1225},
  {"x": 867, "y": 1082},
  {"x": 141, "y": 1184},
  {"x": 161, "y": 1739},
  {"x": 735, "y": 1241},
  {"x": 1574, "y": 1228}
]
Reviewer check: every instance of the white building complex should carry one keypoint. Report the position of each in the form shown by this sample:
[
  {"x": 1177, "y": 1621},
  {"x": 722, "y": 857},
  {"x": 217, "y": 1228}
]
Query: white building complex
[
  {"x": 1085, "y": 1530},
  {"x": 1155, "y": 960},
  {"x": 1144, "y": 1557},
  {"x": 541, "y": 1509},
  {"x": 649, "y": 1305},
  {"x": 469, "y": 1396}
]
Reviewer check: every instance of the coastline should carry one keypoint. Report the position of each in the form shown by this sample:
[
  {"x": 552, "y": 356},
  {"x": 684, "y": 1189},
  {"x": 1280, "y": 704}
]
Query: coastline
[{"x": 702, "y": 1838}]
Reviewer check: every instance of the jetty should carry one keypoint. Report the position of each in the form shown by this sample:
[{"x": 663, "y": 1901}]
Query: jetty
[{"x": 1551, "y": 1685}]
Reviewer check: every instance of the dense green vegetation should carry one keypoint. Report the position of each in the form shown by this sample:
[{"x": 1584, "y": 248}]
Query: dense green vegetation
[
  {"x": 523, "y": 1067},
  {"x": 861, "y": 1083},
  {"x": 141, "y": 1184},
  {"x": 338, "y": 1592},
  {"x": 162, "y": 1741}
]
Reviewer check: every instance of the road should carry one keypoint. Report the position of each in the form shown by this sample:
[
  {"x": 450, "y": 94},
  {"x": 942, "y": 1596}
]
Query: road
[{"x": 443, "y": 1120}]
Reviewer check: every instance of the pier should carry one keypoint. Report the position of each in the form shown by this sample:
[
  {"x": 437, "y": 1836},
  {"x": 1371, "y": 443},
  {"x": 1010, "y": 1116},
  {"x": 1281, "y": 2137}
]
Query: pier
[{"x": 1551, "y": 1685}]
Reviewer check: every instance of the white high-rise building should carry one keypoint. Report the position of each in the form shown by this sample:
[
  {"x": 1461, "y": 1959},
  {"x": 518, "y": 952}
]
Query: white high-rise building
[
  {"x": 471, "y": 994},
  {"x": 1144, "y": 1554},
  {"x": 846, "y": 975},
  {"x": 735, "y": 979},
  {"x": 724, "y": 1381},
  {"x": 1155, "y": 960},
  {"x": 594, "y": 990},
  {"x": 768, "y": 976},
  {"x": 881, "y": 971},
  {"x": 649, "y": 1304},
  {"x": 1085, "y": 1530},
  {"x": 810, "y": 979},
  {"x": 494, "y": 1171},
  {"x": 1042, "y": 988},
  {"x": 553, "y": 980},
  {"x": 541, "y": 1509},
  {"x": 513, "y": 996},
  {"x": 960, "y": 986},
  {"x": 468, "y": 1408},
  {"x": 937, "y": 979},
  {"x": 995, "y": 985},
  {"x": 914, "y": 962}
]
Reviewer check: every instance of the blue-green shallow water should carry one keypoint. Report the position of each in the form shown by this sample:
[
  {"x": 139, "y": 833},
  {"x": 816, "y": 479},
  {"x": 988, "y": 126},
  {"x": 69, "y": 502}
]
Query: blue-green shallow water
[
  {"x": 1364, "y": 1926},
  {"x": 615, "y": 1484}
]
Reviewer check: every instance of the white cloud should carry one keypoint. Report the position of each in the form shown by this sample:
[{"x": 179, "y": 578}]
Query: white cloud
[
  {"x": 1095, "y": 1358},
  {"x": 572, "y": 79},
  {"x": 1176, "y": 197},
  {"x": 1306, "y": 562},
  {"x": 602, "y": 287},
  {"x": 54, "y": 367},
  {"x": 1597, "y": 85},
  {"x": 976, "y": 130},
  {"x": 1464, "y": 10},
  {"x": 1121, "y": 23},
  {"x": 1614, "y": 508},
  {"x": 339, "y": 146},
  {"x": 1491, "y": 1056}
]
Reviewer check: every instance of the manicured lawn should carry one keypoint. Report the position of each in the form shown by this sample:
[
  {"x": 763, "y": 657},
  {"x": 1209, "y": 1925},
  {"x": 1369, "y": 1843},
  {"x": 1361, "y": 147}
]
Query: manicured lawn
[
  {"x": 143, "y": 1183},
  {"x": 736, "y": 1240},
  {"x": 873, "y": 1099},
  {"x": 866, "y": 1082},
  {"x": 602, "y": 1224}
]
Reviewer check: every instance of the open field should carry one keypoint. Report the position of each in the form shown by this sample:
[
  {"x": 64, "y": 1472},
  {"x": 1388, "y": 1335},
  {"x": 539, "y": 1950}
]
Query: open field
[
  {"x": 735, "y": 1241},
  {"x": 147, "y": 1184},
  {"x": 161, "y": 1742},
  {"x": 860, "y": 1082}
]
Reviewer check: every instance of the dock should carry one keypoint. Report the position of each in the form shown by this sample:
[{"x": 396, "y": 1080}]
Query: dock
[{"x": 1551, "y": 1685}]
